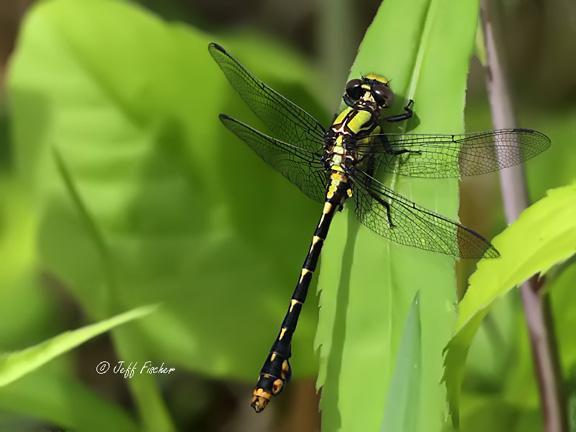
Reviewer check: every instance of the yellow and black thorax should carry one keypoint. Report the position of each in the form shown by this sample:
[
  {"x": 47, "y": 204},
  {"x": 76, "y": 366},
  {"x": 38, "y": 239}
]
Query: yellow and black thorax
[{"x": 365, "y": 99}]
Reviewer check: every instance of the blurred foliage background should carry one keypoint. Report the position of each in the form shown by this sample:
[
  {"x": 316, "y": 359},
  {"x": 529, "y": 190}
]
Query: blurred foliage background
[{"x": 170, "y": 210}]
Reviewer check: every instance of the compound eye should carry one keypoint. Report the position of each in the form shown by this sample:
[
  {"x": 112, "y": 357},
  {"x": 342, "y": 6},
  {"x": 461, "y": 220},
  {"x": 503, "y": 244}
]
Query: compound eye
[
  {"x": 383, "y": 95},
  {"x": 354, "y": 89}
]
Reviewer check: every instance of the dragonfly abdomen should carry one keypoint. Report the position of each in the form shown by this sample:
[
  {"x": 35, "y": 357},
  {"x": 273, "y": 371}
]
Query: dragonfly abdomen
[{"x": 276, "y": 371}]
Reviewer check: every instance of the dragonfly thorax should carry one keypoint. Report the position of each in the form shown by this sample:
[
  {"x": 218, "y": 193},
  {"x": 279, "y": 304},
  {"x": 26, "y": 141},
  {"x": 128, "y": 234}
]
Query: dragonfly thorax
[
  {"x": 352, "y": 124},
  {"x": 339, "y": 151}
]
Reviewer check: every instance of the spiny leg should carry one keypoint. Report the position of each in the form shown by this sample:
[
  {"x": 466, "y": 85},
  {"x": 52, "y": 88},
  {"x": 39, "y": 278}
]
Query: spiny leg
[
  {"x": 407, "y": 114},
  {"x": 392, "y": 151},
  {"x": 386, "y": 205},
  {"x": 404, "y": 151},
  {"x": 388, "y": 213}
]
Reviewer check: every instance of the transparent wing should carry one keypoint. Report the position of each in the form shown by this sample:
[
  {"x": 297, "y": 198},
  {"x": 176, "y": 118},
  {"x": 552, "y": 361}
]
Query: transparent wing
[
  {"x": 286, "y": 120},
  {"x": 442, "y": 156},
  {"x": 302, "y": 168},
  {"x": 402, "y": 221}
]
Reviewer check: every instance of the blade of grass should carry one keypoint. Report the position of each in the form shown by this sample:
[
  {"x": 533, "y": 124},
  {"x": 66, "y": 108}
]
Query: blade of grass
[
  {"x": 404, "y": 396},
  {"x": 17, "y": 364},
  {"x": 367, "y": 284}
]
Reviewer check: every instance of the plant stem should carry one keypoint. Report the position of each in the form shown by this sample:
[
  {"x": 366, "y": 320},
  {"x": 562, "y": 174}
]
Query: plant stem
[{"x": 515, "y": 197}]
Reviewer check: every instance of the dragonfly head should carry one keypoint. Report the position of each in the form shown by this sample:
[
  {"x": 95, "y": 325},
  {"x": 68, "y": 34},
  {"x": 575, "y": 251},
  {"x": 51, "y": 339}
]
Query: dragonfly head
[{"x": 371, "y": 89}]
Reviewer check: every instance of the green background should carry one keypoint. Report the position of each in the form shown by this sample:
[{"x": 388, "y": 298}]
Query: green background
[{"x": 119, "y": 188}]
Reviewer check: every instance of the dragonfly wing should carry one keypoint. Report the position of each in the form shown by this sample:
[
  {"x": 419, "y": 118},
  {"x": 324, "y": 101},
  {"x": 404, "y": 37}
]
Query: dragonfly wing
[
  {"x": 286, "y": 120},
  {"x": 398, "y": 219},
  {"x": 442, "y": 156},
  {"x": 302, "y": 168}
]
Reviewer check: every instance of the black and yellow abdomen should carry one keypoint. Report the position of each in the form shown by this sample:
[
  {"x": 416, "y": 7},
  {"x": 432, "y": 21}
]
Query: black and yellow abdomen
[{"x": 276, "y": 371}]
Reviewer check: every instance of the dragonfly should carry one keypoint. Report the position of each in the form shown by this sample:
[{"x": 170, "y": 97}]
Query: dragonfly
[{"x": 343, "y": 162}]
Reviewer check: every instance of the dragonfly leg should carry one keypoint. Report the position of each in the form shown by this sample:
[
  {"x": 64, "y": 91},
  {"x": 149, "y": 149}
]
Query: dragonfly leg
[
  {"x": 394, "y": 151},
  {"x": 398, "y": 152},
  {"x": 407, "y": 114},
  {"x": 386, "y": 205},
  {"x": 388, "y": 213}
]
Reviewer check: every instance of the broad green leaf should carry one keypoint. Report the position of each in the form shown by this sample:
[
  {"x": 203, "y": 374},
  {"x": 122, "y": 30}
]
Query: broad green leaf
[
  {"x": 543, "y": 236},
  {"x": 63, "y": 401},
  {"x": 189, "y": 216},
  {"x": 17, "y": 364},
  {"x": 404, "y": 396},
  {"x": 145, "y": 391},
  {"x": 367, "y": 283}
]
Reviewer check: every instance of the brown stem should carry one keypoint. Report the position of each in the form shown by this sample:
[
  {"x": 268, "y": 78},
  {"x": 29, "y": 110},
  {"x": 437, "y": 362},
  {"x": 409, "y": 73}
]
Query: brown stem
[
  {"x": 515, "y": 197},
  {"x": 304, "y": 414}
]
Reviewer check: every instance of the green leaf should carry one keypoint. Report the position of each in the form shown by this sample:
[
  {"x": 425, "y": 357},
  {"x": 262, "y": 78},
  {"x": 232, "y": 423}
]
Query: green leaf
[
  {"x": 18, "y": 227},
  {"x": 367, "y": 284},
  {"x": 17, "y": 364},
  {"x": 543, "y": 236},
  {"x": 404, "y": 396},
  {"x": 63, "y": 401},
  {"x": 189, "y": 216},
  {"x": 154, "y": 414}
]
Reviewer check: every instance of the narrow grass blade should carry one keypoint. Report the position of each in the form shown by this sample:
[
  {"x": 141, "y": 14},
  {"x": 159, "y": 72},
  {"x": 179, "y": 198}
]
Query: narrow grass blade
[{"x": 17, "y": 364}]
